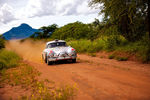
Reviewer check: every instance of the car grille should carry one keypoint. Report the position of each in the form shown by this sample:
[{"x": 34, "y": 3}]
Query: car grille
[{"x": 63, "y": 55}]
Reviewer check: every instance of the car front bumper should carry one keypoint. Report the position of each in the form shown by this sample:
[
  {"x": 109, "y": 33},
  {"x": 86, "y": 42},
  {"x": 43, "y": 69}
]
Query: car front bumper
[{"x": 61, "y": 58}]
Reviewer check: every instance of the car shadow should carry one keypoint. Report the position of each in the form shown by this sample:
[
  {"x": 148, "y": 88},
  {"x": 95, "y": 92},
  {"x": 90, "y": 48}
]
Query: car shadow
[{"x": 63, "y": 62}]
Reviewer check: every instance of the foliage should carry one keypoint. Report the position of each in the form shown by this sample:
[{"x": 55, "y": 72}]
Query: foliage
[
  {"x": 114, "y": 43},
  {"x": 75, "y": 30},
  {"x": 130, "y": 16},
  {"x": 8, "y": 59},
  {"x": 104, "y": 43},
  {"x": 140, "y": 48},
  {"x": 112, "y": 56},
  {"x": 119, "y": 58},
  {"x": 45, "y": 31},
  {"x": 23, "y": 75}
]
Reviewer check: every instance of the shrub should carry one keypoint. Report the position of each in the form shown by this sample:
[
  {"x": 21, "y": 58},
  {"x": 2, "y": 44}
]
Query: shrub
[
  {"x": 121, "y": 58},
  {"x": 144, "y": 50},
  {"x": 112, "y": 56},
  {"x": 102, "y": 43},
  {"x": 80, "y": 45},
  {"x": 140, "y": 48},
  {"x": 8, "y": 59}
]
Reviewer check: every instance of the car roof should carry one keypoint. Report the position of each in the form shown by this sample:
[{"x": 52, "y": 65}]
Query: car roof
[{"x": 55, "y": 41}]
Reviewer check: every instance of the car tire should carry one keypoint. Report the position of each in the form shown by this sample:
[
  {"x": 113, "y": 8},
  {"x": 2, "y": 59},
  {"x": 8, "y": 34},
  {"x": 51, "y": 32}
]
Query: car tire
[
  {"x": 42, "y": 57},
  {"x": 49, "y": 62},
  {"x": 74, "y": 60},
  {"x": 45, "y": 58}
]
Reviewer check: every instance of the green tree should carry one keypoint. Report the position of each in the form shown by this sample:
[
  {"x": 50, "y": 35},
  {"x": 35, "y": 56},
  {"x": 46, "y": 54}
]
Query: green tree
[
  {"x": 129, "y": 15},
  {"x": 75, "y": 30},
  {"x": 48, "y": 30},
  {"x": 45, "y": 31}
]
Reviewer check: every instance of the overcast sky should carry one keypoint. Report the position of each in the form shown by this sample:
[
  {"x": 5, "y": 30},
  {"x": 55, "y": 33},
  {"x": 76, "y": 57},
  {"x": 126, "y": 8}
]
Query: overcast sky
[{"x": 39, "y": 13}]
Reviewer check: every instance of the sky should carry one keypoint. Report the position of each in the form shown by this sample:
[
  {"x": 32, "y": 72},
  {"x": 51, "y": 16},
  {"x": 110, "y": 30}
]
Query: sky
[{"x": 38, "y": 13}]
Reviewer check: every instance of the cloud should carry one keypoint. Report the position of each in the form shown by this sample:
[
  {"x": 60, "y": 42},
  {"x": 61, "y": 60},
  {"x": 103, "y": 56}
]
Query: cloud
[
  {"x": 39, "y": 8},
  {"x": 55, "y": 7},
  {"x": 6, "y": 13},
  {"x": 44, "y": 12}
]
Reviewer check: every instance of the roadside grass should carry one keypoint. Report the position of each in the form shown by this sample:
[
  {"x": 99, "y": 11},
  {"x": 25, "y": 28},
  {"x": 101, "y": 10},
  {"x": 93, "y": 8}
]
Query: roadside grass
[
  {"x": 111, "y": 44},
  {"x": 92, "y": 54},
  {"x": 112, "y": 56},
  {"x": 8, "y": 59},
  {"x": 27, "y": 77},
  {"x": 42, "y": 92},
  {"x": 117, "y": 57},
  {"x": 23, "y": 75},
  {"x": 16, "y": 73}
]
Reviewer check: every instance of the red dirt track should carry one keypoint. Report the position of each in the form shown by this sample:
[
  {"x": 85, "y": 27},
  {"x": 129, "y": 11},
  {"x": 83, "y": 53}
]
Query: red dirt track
[{"x": 97, "y": 78}]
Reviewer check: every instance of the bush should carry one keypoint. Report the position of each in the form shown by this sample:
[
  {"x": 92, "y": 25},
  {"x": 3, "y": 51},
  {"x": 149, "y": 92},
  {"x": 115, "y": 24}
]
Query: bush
[
  {"x": 111, "y": 56},
  {"x": 121, "y": 58},
  {"x": 140, "y": 48},
  {"x": 102, "y": 43},
  {"x": 8, "y": 59},
  {"x": 80, "y": 45},
  {"x": 114, "y": 43},
  {"x": 144, "y": 50}
]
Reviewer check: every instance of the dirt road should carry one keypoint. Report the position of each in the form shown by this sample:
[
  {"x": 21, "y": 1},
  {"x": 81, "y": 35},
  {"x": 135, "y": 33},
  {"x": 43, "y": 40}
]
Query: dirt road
[{"x": 97, "y": 78}]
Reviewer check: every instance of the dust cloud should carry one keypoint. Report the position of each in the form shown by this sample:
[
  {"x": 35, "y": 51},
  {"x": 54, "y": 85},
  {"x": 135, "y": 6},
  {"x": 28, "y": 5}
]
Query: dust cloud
[{"x": 29, "y": 50}]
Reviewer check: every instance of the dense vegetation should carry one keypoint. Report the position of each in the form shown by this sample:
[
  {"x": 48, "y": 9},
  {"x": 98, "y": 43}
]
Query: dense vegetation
[
  {"x": 75, "y": 30},
  {"x": 131, "y": 17},
  {"x": 44, "y": 32},
  {"x": 8, "y": 59}
]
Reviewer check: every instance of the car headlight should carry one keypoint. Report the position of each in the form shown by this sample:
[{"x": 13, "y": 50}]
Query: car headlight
[
  {"x": 72, "y": 52},
  {"x": 52, "y": 54}
]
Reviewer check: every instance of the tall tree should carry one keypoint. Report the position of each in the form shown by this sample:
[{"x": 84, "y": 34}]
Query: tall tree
[
  {"x": 48, "y": 30},
  {"x": 129, "y": 15}
]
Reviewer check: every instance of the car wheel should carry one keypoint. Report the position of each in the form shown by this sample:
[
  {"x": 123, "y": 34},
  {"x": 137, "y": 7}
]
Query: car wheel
[
  {"x": 42, "y": 57},
  {"x": 49, "y": 62},
  {"x": 45, "y": 58},
  {"x": 74, "y": 60}
]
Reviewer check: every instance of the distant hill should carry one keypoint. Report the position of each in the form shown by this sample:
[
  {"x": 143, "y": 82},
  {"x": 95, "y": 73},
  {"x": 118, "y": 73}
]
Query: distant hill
[{"x": 20, "y": 32}]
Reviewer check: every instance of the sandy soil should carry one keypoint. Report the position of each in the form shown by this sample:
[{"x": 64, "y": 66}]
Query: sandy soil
[{"x": 97, "y": 78}]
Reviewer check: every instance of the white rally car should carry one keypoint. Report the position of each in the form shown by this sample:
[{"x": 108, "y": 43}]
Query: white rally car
[{"x": 58, "y": 50}]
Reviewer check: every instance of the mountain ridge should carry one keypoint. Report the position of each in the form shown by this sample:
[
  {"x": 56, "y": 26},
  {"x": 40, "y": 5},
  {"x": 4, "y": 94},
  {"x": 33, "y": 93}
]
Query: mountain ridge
[{"x": 21, "y": 32}]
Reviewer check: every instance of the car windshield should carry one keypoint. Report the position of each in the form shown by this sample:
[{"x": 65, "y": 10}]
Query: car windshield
[{"x": 56, "y": 44}]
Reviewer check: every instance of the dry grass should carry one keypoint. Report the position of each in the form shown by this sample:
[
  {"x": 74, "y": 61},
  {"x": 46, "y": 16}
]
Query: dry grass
[{"x": 27, "y": 77}]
